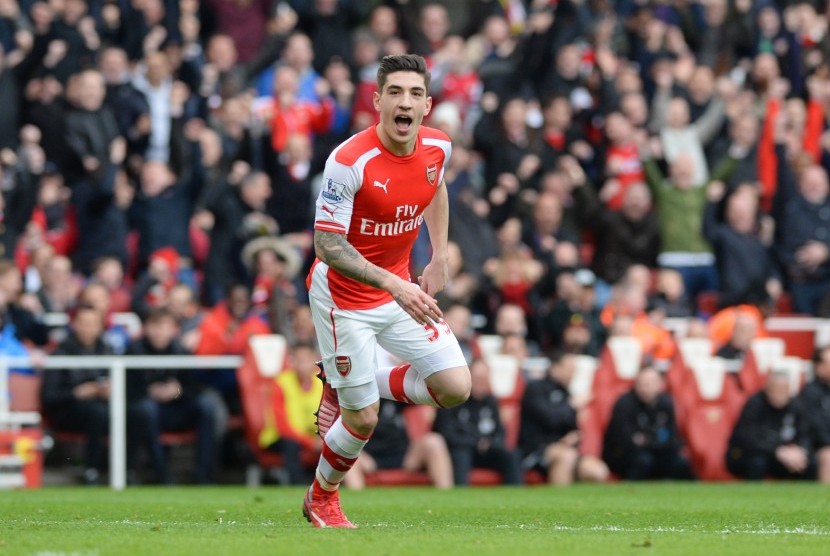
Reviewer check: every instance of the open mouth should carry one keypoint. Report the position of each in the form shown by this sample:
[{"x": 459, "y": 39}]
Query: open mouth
[{"x": 403, "y": 123}]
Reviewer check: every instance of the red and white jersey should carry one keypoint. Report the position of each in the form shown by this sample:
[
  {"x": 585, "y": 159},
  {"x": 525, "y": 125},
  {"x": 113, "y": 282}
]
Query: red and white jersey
[{"x": 377, "y": 200}]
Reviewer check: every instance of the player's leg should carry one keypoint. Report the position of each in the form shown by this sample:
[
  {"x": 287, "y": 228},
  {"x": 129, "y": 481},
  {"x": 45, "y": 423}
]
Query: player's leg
[
  {"x": 355, "y": 479},
  {"x": 347, "y": 344},
  {"x": 436, "y": 373},
  {"x": 342, "y": 446}
]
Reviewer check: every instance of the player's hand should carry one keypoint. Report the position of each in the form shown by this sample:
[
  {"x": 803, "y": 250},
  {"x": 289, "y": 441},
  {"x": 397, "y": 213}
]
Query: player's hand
[
  {"x": 435, "y": 276},
  {"x": 417, "y": 303}
]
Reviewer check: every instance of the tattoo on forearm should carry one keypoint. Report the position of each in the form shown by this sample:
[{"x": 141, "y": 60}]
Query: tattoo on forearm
[{"x": 333, "y": 249}]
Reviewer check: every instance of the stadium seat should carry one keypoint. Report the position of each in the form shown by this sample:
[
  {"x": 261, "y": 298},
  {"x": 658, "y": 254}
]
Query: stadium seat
[
  {"x": 713, "y": 405},
  {"x": 505, "y": 375},
  {"x": 262, "y": 361},
  {"x": 763, "y": 354},
  {"x": 618, "y": 366},
  {"x": 582, "y": 382},
  {"x": 690, "y": 352},
  {"x": 507, "y": 385},
  {"x": 489, "y": 344},
  {"x": 797, "y": 332}
]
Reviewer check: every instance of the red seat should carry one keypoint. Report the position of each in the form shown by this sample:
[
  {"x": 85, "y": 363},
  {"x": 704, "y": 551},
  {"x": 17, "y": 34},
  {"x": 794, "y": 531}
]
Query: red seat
[
  {"x": 714, "y": 405},
  {"x": 263, "y": 359},
  {"x": 619, "y": 364}
]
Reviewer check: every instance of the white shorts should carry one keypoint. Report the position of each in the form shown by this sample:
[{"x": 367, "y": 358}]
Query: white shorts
[{"x": 348, "y": 342}]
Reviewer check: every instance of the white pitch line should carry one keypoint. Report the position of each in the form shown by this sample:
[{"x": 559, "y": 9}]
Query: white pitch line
[{"x": 762, "y": 531}]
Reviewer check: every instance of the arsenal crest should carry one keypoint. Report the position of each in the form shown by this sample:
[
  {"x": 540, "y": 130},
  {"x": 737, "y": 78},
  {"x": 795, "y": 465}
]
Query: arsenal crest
[
  {"x": 432, "y": 174},
  {"x": 343, "y": 363}
]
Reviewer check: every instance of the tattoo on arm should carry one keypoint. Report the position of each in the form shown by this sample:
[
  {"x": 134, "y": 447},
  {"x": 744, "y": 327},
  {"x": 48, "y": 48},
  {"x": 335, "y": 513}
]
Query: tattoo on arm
[{"x": 334, "y": 250}]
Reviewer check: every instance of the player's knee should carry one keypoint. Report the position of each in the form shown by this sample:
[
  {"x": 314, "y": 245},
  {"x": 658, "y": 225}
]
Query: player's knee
[
  {"x": 454, "y": 388},
  {"x": 823, "y": 455},
  {"x": 362, "y": 422}
]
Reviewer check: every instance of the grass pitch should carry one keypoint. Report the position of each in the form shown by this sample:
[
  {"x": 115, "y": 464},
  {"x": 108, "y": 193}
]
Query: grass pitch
[{"x": 624, "y": 518}]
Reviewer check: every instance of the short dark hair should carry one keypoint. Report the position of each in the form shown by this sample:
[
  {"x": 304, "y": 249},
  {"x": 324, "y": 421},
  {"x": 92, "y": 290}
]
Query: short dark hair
[
  {"x": 158, "y": 314},
  {"x": 402, "y": 62}
]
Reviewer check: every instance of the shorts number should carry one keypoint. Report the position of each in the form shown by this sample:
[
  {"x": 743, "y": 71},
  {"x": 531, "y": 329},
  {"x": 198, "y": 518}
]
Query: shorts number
[{"x": 433, "y": 331}]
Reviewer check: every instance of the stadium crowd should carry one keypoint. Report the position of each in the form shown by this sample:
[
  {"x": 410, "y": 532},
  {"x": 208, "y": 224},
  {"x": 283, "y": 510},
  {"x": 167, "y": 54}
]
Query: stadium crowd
[{"x": 615, "y": 163}]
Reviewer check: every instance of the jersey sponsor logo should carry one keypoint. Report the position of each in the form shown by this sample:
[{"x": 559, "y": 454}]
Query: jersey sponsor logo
[
  {"x": 406, "y": 222},
  {"x": 333, "y": 191},
  {"x": 343, "y": 364},
  {"x": 384, "y": 229},
  {"x": 329, "y": 210},
  {"x": 432, "y": 174},
  {"x": 383, "y": 185}
]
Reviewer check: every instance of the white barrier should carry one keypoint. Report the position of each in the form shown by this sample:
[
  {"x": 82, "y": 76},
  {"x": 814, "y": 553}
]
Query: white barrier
[{"x": 117, "y": 365}]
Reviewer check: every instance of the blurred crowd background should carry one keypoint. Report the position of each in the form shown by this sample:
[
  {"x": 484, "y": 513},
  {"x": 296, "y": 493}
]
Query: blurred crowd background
[{"x": 615, "y": 164}]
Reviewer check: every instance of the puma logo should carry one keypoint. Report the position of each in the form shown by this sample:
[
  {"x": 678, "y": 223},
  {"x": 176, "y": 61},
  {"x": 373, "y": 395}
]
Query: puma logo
[
  {"x": 328, "y": 210},
  {"x": 382, "y": 185}
]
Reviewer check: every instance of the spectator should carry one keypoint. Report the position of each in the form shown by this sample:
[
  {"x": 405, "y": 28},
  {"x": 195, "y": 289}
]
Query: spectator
[
  {"x": 172, "y": 398},
  {"x": 291, "y": 114},
  {"x": 392, "y": 448},
  {"x": 681, "y": 204},
  {"x": 623, "y": 166},
  {"x": 182, "y": 303},
  {"x": 116, "y": 335},
  {"x": 60, "y": 288},
  {"x": 236, "y": 212},
  {"x": 162, "y": 209},
  {"x": 77, "y": 400},
  {"x": 296, "y": 396},
  {"x": 128, "y": 104},
  {"x": 625, "y": 237},
  {"x": 459, "y": 318},
  {"x": 109, "y": 272},
  {"x": 744, "y": 331},
  {"x": 225, "y": 330},
  {"x": 573, "y": 322},
  {"x": 102, "y": 204},
  {"x": 549, "y": 437},
  {"x": 155, "y": 82},
  {"x": 814, "y": 401},
  {"x": 642, "y": 441},
  {"x": 290, "y": 203},
  {"x": 803, "y": 246},
  {"x": 90, "y": 129},
  {"x": 772, "y": 436},
  {"x": 669, "y": 299},
  {"x": 155, "y": 283},
  {"x": 22, "y": 310},
  {"x": 746, "y": 269},
  {"x": 475, "y": 434},
  {"x": 273, "y": 265},
  {"x": 678, "y": 132}
]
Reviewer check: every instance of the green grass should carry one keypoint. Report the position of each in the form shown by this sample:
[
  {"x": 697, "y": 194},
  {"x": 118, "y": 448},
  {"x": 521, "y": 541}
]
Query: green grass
[{"x": 734, "y": 519}]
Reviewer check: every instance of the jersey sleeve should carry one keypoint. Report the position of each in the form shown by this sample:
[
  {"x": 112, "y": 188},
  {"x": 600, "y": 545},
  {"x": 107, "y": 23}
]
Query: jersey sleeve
[
  {"x": 447, "y": 154},
  {"x": 335, "y": 202}
]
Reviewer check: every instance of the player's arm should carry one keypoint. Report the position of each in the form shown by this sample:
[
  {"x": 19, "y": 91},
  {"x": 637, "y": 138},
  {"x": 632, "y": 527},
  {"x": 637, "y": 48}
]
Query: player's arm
[
  {"x": 437, "y": 218},
  {"x": 334, "y": 249}
]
